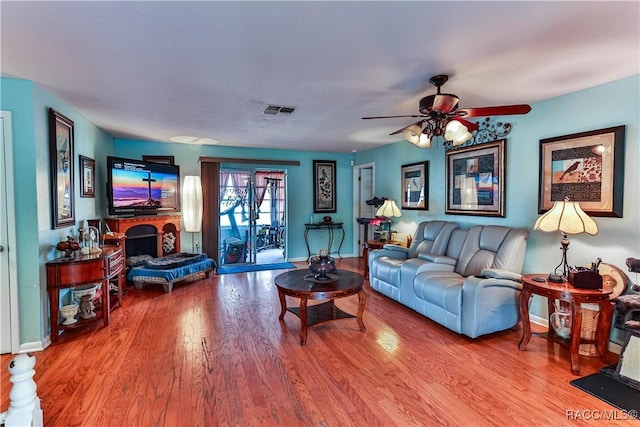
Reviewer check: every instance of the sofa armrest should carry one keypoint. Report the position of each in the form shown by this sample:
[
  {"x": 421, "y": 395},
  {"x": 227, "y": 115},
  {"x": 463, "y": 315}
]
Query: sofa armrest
[
  {"x": 438, "y": 259},
  {"x": 489, "y": 305},
  {"x": 397, "y": 248},
  {"x": 496, "y": 273}
]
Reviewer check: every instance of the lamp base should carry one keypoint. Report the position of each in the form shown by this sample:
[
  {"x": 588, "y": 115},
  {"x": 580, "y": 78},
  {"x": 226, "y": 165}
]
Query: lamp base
[{"x": 554, "y": 278}]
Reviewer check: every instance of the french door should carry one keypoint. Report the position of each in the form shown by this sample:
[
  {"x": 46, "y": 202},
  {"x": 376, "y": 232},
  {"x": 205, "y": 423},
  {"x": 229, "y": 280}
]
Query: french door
[{"x": 252, "y": 216}]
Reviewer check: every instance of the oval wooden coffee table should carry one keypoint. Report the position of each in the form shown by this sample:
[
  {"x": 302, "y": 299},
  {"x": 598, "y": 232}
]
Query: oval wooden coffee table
[{"x": 300, "y": 284}]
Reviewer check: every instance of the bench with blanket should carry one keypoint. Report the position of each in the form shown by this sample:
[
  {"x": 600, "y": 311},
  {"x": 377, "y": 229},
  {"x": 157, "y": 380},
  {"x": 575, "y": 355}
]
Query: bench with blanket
[{"x": 170, "y": 269}]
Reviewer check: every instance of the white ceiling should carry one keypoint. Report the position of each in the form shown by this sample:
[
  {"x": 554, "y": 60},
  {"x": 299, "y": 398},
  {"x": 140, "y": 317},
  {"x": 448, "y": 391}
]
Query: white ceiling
[{"x": 153, "y": 70}]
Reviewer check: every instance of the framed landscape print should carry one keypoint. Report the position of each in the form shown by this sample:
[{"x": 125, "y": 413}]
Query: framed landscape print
[
  {"x": 324, "y": 186},
  {"x": 415, "y": 186},
  {"x": 61, "y": 165},
  {"x": 587, "y": 167},
  {"x": 475, "y": 180}
]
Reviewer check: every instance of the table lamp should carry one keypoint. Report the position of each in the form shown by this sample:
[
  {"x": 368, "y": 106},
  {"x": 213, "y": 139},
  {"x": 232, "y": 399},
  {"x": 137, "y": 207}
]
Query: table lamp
[
  {"x": 388, "y": 210},
  {"x": 568, "y": 218}
]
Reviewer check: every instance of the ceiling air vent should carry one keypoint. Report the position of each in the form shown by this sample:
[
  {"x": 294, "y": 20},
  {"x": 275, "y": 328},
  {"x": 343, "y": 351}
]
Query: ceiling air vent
[{"x": 278, "y": 110}]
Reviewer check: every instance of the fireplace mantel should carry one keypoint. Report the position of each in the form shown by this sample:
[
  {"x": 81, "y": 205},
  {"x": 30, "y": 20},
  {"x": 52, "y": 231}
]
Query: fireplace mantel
[{"x": 162, "y": 223}]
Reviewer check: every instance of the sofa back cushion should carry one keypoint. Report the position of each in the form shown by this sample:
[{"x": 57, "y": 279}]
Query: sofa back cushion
[
  {"x": 431, "y": 237},
  {"x": 492, "y": 246}
]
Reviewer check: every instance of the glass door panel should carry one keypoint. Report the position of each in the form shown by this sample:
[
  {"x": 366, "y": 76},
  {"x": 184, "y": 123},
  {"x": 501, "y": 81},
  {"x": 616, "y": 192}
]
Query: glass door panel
[{"x": 237, "y": 228}]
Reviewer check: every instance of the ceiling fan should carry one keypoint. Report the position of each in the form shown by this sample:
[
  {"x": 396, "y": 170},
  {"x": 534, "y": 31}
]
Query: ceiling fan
[{"x": 440, "y": 116}]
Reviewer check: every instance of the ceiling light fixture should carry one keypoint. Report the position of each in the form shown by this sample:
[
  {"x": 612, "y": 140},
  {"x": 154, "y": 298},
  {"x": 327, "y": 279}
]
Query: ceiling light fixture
[{"x": 185, "y": 139}]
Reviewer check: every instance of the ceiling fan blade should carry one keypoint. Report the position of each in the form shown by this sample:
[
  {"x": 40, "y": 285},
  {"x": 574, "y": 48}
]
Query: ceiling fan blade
[
  {"x": 393, "y": 117},
  {"x": 445, "y": 103},
  {"x": 504, "y": 110}
]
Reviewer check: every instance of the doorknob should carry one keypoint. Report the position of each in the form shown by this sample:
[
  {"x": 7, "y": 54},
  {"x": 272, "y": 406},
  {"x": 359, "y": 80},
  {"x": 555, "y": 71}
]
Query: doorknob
[{"x": 1, "y": 248}]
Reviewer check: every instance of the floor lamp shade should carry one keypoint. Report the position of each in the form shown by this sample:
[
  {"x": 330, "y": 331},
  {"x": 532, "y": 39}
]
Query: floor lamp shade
[{"x": 192, "y": 204}]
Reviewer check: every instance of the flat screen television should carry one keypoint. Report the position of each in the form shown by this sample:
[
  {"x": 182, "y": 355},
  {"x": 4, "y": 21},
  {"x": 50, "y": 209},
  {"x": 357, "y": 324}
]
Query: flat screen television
[{"x": 136, "y": 187}]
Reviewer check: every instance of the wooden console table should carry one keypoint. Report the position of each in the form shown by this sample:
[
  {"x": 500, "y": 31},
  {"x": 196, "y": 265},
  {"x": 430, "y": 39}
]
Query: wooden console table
[
  {"x": 329, "y": 226},
  {"x": 83, "y": 270},
  {"x": 536, "y": 284}
]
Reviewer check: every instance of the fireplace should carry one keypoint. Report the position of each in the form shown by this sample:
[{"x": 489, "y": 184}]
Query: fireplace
[
  {"x": 145, "y": 234},
  {"x": 142, "y": 240}
]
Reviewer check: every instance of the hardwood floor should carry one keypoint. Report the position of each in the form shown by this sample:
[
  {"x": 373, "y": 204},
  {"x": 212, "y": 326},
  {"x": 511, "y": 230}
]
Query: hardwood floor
[{"x": 214, "y": 353}]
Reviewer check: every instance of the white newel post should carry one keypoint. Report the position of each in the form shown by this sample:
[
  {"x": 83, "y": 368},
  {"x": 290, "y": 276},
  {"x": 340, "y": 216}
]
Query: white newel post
[{"x": 24, "y": 406}]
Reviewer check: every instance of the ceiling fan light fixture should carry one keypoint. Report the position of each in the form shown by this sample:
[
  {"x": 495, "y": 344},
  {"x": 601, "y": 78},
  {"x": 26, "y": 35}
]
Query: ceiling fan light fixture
[
  {"x": 412, "y": 133},
  {"x": 457, "y": 133},
  {"x": 425, "y": 141}
]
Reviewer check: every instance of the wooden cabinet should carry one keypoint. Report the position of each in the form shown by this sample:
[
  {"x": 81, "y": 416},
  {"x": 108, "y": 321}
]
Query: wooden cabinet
[{"x": 84, "y": 270}]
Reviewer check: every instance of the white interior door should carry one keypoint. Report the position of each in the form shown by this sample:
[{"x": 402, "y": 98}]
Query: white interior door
[
  {"x": 363, "y": 187},
  {"x": 8, "y": 283}
]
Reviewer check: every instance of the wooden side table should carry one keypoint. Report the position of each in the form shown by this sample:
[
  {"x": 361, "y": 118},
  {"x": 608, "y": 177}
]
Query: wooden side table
[
  {"x": 537, "y": 284},
  {"x": 375, "y": 244}
]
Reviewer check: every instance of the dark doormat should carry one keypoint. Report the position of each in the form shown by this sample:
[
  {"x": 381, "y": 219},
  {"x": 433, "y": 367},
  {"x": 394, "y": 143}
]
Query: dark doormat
[{"x": 610, "y": 390}]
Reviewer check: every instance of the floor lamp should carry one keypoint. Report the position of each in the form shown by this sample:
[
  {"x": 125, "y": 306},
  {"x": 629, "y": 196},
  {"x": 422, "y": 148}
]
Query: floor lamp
[{"x": 192, "y": 207}]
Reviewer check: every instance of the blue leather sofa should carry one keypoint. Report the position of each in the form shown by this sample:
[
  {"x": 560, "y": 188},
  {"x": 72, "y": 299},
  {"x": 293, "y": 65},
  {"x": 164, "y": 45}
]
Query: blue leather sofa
[{"x": 465, "y": 279}]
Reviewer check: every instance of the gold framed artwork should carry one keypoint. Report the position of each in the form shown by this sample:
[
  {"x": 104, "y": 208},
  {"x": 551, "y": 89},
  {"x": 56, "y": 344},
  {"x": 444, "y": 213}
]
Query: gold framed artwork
[
  {"x": 587, "y": 167},
  {"x": 476, "y": 180},
  {"x": 61, "y": 169}
]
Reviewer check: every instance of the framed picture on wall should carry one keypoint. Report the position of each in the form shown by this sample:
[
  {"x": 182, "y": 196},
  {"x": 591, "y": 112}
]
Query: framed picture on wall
[
  {"x": 415, "y": 186},
  {"x": 324, "y": 186},
  {"x": 587, "y": 167},
  {"x": 475, "y": 180},
  {"x": 61, "y": 165},
  {"x": 88, "y": 177},
  {"x": 165, "y": 160}
]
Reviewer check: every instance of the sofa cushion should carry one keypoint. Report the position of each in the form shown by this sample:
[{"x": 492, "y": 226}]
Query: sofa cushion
[{"x": 440, "y": 288}]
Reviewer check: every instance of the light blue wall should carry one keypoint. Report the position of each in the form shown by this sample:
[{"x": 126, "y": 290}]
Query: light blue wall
[
  {"x": 299, "y": 179},
  {"x": 616, "y": 103},
  {"x": 29, "y": 105},
  {"x": 612, "y": 104}
]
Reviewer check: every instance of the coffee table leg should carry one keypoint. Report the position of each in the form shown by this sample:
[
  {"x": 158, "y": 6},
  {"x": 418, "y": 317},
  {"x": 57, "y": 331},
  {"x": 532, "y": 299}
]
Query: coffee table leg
[
  {"x": 283, "y": 304},
  {"x": 303, "y": 321},
  {"x": 362, "y": 299}
]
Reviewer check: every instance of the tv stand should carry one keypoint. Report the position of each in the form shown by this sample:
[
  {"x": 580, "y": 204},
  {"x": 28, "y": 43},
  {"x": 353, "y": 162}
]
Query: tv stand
[{"x": 162, "y": 223}]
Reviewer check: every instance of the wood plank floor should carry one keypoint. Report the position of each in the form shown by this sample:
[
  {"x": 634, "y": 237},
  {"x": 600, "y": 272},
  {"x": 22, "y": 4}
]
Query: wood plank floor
[{"x": 214, "y": 353}]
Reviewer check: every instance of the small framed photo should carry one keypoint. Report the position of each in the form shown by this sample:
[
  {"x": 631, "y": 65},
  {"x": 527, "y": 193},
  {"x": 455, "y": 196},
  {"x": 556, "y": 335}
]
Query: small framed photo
[
  {"x": 587, "y": 167},
  {"x": 88, "y": 177},
  {"x": 165, "y": 160},
  {"x": 324, "y": 186},
  {"x": 415, "y": 186},
  {"x": 475, "y": 180}
]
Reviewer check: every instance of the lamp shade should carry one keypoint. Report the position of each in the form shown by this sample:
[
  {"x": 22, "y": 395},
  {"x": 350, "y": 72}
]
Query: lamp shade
[
  {"x": 568, "y": 218},
  {"x": 457, "y": 133},
  {"x": 192, "y": 204},
  {"x": 389, "y": 209}
]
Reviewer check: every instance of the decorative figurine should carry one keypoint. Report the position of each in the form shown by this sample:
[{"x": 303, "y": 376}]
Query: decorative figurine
[{"x": 86, "y": 307}]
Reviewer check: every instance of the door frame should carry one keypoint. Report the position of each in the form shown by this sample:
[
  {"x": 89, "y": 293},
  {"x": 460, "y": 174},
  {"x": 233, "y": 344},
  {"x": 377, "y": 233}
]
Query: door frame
[
  {"x": 356, "y": 199},
  {"x": 6, "y": 161}
]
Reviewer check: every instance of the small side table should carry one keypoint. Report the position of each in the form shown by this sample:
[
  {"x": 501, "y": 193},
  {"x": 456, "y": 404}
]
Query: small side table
[
  {"x": 375, "y": 244},
  {"x": 537, "y": 284}
]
